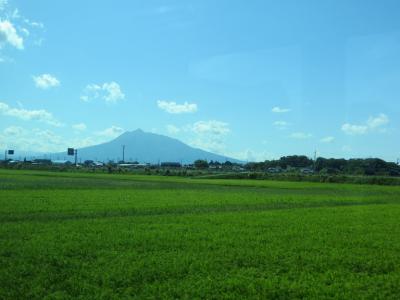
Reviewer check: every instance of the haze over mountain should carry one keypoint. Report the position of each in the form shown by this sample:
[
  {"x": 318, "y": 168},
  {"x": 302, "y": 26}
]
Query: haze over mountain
[{"x": 147, "y": 147}]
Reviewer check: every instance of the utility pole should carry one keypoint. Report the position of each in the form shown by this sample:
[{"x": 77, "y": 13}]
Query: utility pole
[
  {"x": 76, "y": 157},
  {"x": 123, "y": 153}
]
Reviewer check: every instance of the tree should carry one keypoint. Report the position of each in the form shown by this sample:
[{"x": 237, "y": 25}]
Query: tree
[
  {"x": 297, "y": 161},
  {"x": 201, "y": 164}
]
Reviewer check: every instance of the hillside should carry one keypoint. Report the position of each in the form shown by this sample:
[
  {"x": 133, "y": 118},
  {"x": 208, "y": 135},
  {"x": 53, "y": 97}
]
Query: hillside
[{"x": 147, "y": 147}]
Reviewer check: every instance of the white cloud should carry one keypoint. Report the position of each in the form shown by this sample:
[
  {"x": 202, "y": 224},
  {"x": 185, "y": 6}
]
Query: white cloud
[
  {"x": 300, "y": 135},
  {"x": 209, "y": 144},
  {"x": 9, "y": 35},
  {"x": 15, "y": 14},
  {"x": 351, "y": 129},
  {"x": 347, "y": 148},
  {"x": 84, "y": 142},
  {"x": 35, "y": 24},
  {"x": 79, "y": 126},
  {"x": 111, "y": 132},
  {"x": 38, "y": 42},
  {"x": 206, "y": 135},
  {"x": 13, "y": 131},
  {"x": 278, "y": 109},
  {"x": 40, "y": 115},
  {"x": 15, "y": 30},
  {"x": 46, "y": 81},
  {"x": 209, "y": 135},
  {"x": 154, "y": 130},
  {"x": 327, "y": 140},
  {"x": 5, "y": 59},
  {"x": 38, "y": 140},
  {"x": 113, "y": 92},
  {"x": 373, "y": 123},
  {"x": 281, "y": 124},
  {"x": 109, "y": 91},
  {"x": 49, "y": 136},
  {"x": 3, "y": 4},
  {"x": 252, "y": 156},
  {"x": 25, "y": 31},
  {"x": 174, "y": 108},
  {"x": 172, "y": 129},
  {"x": 32, "y": 139},
  {"x": 211, "y": 127},
  {"x": 379, "y": 121}
]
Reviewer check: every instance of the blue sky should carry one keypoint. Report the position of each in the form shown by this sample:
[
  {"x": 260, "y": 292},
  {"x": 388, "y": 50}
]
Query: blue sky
[{"x": 251, "y": 79}]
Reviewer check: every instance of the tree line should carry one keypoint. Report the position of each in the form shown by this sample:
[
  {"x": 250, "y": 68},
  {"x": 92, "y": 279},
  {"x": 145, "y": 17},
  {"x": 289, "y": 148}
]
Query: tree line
[{"x": 368, "y": 166}]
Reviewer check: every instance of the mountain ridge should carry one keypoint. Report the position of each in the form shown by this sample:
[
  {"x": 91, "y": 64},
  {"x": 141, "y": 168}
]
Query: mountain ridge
[{"x": 147, "y": 147}]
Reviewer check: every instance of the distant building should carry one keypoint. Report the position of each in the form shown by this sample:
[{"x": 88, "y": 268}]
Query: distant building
[
  {"x": 215, "y": 167},
  {"x": 133, "y": 165},
  {"x": 307, "y": 171},
  {"x": 238, "y": 168},
  {"x": 41, "y": 162},
  {"x": 274, "y": 170}
]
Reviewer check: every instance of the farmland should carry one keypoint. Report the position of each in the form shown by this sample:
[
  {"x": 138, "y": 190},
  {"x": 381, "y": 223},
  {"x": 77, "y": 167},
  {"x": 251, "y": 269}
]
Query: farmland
[{"x": 98, "y": 236}]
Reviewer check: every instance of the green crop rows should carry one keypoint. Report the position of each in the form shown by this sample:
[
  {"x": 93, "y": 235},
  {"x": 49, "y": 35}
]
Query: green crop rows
[{"x": 85, "y": 236}]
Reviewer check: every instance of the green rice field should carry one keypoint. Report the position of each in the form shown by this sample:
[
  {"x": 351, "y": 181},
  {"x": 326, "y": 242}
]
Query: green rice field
[{"x": 95, "y": 236}]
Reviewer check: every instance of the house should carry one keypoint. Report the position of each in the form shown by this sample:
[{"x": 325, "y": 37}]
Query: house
[
  {"x": 238, "y": 168},
  {"x": 307, "y": 171},
  {"x": 215, "y": 167},
  {"x": 274, "y": 170}
]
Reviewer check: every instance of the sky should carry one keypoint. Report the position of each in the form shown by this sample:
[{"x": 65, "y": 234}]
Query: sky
[{"x": 253, "y": 80}]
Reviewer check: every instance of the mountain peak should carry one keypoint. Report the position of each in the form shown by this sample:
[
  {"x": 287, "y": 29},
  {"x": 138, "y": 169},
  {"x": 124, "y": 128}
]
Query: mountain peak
[
  {"x": 131, "y": 133},
  {"x": 147, "y": 147}
]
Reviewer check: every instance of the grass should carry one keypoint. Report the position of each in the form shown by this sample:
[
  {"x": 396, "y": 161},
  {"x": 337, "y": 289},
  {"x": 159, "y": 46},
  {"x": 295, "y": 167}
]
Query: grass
[{"x": 97, "y": 236}]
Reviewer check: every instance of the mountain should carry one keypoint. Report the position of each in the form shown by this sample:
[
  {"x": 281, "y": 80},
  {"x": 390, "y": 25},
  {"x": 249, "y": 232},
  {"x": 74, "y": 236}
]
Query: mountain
[{"x": 147, "y": 148}]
